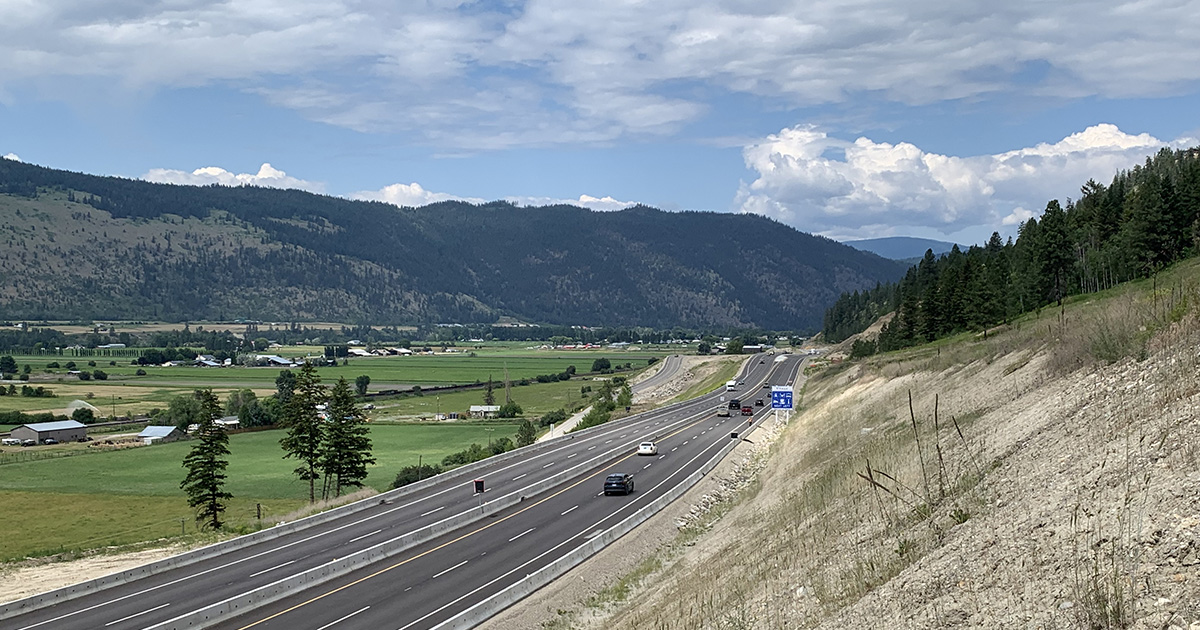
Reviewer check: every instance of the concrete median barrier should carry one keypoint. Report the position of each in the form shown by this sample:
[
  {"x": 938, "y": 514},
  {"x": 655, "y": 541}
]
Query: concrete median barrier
[{"x": 514, "y": 593}]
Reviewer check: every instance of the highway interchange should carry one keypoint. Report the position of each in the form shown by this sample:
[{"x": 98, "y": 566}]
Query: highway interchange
[{"x": 429, "y": 583}]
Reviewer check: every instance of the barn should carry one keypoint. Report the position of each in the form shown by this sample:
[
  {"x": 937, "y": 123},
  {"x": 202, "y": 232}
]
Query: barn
[
  {"x": 153, "y": 433},
  {"x": 61, "y": 431}
]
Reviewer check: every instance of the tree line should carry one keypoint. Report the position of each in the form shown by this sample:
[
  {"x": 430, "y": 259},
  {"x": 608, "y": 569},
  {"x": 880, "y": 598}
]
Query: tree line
[{"x": 1148, "y": 217}]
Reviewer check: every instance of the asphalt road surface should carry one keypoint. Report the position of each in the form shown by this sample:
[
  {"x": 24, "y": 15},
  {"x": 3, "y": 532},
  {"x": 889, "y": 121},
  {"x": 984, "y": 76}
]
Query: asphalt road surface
[
  {"x": 431, "y": 583},
  {"x": 151, "y": 600}
]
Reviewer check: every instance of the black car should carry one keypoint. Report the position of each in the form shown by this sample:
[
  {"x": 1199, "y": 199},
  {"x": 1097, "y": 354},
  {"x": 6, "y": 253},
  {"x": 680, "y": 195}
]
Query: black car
[{"x": 618, "y": 483}]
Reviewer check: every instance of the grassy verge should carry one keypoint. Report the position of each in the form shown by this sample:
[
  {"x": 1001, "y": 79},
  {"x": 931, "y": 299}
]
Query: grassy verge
[{"x": 725, "y": 368}]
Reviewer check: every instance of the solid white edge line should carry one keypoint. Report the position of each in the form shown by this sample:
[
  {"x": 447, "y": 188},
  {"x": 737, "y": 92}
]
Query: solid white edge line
[
  {"x": 333, "y": 623},
  {"x": 136, "y": 614}
]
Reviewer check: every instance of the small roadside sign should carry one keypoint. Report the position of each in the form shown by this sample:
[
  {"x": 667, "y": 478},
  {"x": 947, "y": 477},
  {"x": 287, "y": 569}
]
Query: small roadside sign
[
  {"x": 478, "y": 486},
  {"x": 781, "y": 397}
]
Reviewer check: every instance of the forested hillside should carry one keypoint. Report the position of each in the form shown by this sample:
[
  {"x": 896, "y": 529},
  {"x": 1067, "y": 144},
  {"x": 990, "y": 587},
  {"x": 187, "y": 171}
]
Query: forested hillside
[
  {"x": 82, "y": 246},
  {"x": 1146, "y": 219}
]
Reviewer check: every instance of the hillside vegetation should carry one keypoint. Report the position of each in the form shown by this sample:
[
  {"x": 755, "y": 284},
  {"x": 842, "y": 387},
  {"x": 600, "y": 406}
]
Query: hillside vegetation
[
  {"x": 87, "y": 247},
  {"x": 1043, "y": 476},
  {"x": 1147, "y": 218}
]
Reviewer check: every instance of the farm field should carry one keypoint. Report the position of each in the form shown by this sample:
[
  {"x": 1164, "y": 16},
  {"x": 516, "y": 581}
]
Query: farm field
[
  {"x": 126, "y": 393},
  {"x": 132, "y": 495},
  {"x": 535, "y": 399}
]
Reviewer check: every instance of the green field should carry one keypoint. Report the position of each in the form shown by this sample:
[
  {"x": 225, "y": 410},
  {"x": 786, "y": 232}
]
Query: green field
[
  {"x": 132, "y": 495},
  {"x": 125, "y": 393},
  {"x": 535, "y": 399}
]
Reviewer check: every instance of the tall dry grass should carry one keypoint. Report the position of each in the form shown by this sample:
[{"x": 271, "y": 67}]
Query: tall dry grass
[{"x": 895, "y": 454}]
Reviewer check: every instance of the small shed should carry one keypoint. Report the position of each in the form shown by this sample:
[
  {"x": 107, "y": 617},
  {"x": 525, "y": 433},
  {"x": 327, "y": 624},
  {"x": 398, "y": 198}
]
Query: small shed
[
  {"x": 484, "y": 411},
  {"x": 62, "y": 431},
  {"x": 167, "y": 433}
]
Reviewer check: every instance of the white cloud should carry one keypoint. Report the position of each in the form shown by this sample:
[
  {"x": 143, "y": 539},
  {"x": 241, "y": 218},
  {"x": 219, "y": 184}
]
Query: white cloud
[
  {"x": 12, "y": 156},
  {"x": 411, "y": 195},
  {"x": 414, "y": 195},
  {"x": 537, "y": 72},
  {"x": 267, "y": 177},
  {"x": 602, "y": 204},
  {"x": 865, "y": 188}
]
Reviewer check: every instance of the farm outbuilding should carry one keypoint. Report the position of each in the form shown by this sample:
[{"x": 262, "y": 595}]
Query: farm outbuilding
[
  {"x": 152, "y": 434},
  {"x": 484, "y": 411},
  {"x": 62, "y": 431}
]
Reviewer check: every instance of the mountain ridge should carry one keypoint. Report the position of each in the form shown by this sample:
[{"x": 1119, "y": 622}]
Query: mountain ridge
[{"x": 188, "y": 252}]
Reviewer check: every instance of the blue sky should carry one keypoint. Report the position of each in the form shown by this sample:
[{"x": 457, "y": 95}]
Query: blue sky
[{"x": 849, "y": 119}]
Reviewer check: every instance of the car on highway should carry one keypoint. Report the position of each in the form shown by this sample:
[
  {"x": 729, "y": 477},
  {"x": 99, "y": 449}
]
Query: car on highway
[
  {"x": 747, "y": 411},
  {"x": 758, "y": 402},
  {"x": 647, "y": 448},
  {"x": 723, "y": 412},
  {"x": 618, "y": 483}
]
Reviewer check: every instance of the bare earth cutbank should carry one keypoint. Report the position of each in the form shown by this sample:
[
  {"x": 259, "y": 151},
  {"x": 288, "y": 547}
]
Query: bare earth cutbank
[{"x": 1051, "y": 488}]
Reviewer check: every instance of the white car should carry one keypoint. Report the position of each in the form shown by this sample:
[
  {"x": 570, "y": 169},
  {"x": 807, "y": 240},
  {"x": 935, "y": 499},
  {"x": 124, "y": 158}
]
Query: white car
[{"x": 647, "y": 448}]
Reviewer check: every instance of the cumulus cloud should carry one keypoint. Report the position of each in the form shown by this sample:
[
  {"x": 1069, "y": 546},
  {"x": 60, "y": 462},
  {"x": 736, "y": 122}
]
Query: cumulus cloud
[
  {"x": 602, "y": 204},
  {"x": 267, "y": 177},
  {"x": 12, "y": 156},
  {"x": 818, "y": 183},
  {"x": 541, "y": 72},
  {"x": 414, "y": 195},
  {"x": 411, "y": 195}
]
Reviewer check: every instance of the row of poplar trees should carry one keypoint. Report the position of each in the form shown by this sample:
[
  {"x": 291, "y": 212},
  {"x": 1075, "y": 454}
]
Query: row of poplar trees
[
  {"x": 1146, "y": 219},
  {"x": 332, "y": 447}
]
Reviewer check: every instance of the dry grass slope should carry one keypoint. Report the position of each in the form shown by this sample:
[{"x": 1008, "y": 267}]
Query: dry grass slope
[{"x": 1045, "y": 477}]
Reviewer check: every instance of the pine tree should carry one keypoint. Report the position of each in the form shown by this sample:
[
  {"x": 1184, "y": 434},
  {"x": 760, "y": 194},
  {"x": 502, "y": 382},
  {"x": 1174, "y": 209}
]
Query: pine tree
[
  {"x": 489, "y": 394},
  {"x": 526, "y": 434},
  {"x": 305, "y": 429},
  {"x": 206, "y": 463},
  {"x": 346, "y": 452}
]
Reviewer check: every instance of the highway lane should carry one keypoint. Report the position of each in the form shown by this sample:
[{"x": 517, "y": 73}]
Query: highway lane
[
  {"x": 435, "y": 581},
  {"x": 670, "y": 366},
  {"x": 169, "y": 594}
]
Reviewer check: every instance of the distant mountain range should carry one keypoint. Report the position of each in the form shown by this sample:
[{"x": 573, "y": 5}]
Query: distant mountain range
[
  {"x": 904, "y": 248},
  {"x": 76, "y": 246}
]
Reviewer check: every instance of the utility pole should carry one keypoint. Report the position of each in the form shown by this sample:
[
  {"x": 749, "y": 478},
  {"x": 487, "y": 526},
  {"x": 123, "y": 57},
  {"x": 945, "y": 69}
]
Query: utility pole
[{"x": 507, "y": 385}]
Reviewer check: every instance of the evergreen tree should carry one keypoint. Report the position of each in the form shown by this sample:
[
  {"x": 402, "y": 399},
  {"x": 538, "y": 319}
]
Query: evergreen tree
[
  {"x": 206, "y": 463},
  {"x": 346, "y": 452},
  {"x": 526, "y": 434},
  {"x": 489, "y": 394},
  {"x": 305, "y": 429},
  {"x": 285, "y": 383}
]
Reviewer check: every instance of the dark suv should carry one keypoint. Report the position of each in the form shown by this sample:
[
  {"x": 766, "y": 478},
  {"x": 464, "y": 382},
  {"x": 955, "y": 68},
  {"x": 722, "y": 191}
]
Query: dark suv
[{"x": 618, "y": 483}]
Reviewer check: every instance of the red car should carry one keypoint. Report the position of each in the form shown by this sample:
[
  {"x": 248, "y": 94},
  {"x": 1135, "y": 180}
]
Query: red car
[{"x": 747, "y": 411}]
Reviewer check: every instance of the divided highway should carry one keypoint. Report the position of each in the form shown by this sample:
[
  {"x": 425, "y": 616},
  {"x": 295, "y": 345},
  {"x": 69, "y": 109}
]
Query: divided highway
[
  {"x": 159, "y": 598},
  {"x": 433, "y": 582}
]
